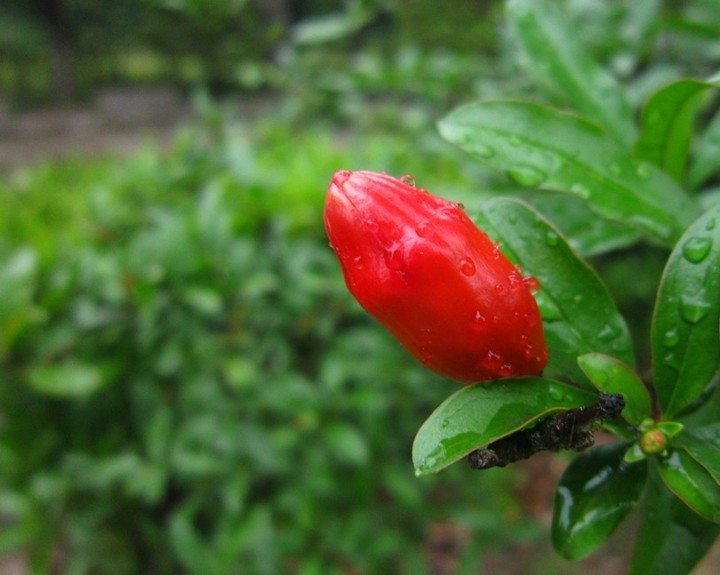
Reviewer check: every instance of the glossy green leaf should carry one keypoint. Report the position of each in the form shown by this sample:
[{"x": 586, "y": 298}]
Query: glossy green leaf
[
  {"x": 587, "y": 234},
  {"x": 540, "y": 147},
  {"x": 703, "y": 445},
  {"x": 614, "y": 376},
  {"x": 705, "y": 160},
  {"x": 578, "y": 313},
  {"x": 559, "y": 62},
  {"x": 685, "y": 341},
  {"x": 667, "y": 125},
  {"x": 672, "y": 538},
  {"x": 68, "y": 379},
  {"x": 482, "y": 413},
  {"x": 596, "y": 493},
  {"x": 692, "y": 483}
]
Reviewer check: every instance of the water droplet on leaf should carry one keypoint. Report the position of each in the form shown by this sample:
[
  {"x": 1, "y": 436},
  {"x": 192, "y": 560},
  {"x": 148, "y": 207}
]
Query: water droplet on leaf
[
  {"x": 556, "y": 392},
  {"x": 526, "y": 176},
  {"x": 608, "y": 333},
  {"x": 671, "y": 338},
  {"x": 696, "y": 250},
  {"x": 694, "y": 307},
  {"x": 643, "y": 171},
  {"x": 581, "y": 191},
  {"x": 552, "y": 239}
]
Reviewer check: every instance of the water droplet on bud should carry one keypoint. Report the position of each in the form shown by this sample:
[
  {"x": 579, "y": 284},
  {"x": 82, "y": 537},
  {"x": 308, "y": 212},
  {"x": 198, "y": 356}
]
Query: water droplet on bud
[
  {"x": 408, "y": 179},
  {"x": 467, "y": 266}
]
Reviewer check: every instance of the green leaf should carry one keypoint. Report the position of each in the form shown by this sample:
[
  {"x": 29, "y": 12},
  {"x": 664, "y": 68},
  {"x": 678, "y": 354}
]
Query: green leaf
[
  {"x": 596, "y": 493},
  {"x": 703, "y": 445},
  {"x": 667, "y": 125},
  {"x": 613, "y": 376},
  {"x": 482, "y": 413},
  {"x": 579, "y": 315},
  {"x": 706, "y": 158},
  {"x": 692, "y": 483},
  {"x": 672, "y": 538},
  {"x": 66, "y": 380},
  {"x": 560, "y": 63},
  {"x": 685, "y": 341},
  {"x": 587, "y": 234},
  {"x": 540, "y": 147}
]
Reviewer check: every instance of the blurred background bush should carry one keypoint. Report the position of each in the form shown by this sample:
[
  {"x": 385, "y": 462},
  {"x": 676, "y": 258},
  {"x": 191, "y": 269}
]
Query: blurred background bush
[{"x": 185, "y": 384}]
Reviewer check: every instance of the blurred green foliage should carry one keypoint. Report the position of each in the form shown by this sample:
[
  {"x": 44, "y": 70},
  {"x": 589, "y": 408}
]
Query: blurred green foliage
[
  {"x": 188, "y": 387},
  {"x": 185, "y": 384}
]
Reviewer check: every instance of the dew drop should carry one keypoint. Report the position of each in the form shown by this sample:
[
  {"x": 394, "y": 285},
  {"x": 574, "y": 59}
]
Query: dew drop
[
  {"x": 577, "y": 298},
  {"x": 710, "y": 225},
  {"x": 552, "y": 239},
  {"x": 608, "y": 333},
  {"x": 395, "y": 258},
  {"x": 643, "y": 171},
  {"x": 358, "y": 262},
  {"x": 408, "y": 179},
  {"x": 499, "y": 289},
  {"x": 526, "y": 176},
  {"x": 492, "y": 361},
  {"x": 696, "y": 250},
  {"x": 445, "y": 424},
  {"x": 423, "y": 229},
  {"x": 467, "y": 266},
  {"x": 505, "y": 370},
  {"x": 482, "y": 150},
  {"x": 694, "y": 307},
  {"x": 581, "y": 191},
  {"x": 496, "y": 254},
  {"x": 556, "y": 392},
  {"x": 531, "y": 282},
  {"x": 671, "y": 338},
  {"x": 515, "y": 280},
  {"x": 478, "y": 322},
  {"x": 671, "y": 360}
]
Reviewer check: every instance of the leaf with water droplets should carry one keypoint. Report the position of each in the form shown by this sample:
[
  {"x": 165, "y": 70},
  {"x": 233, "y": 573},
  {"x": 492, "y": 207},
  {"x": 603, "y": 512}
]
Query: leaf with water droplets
[
  {"x": 540, "y": 147},
  {"x": 596, "y": 493},
  {"x": 556, "y": 57},
  {"x": 692, "y": 482},
  {"x": 685, "y": 342},
  {"x": 480, "y": 414},
  {"x": 667, "y": 125},
  {"x": 573, "y": 325}
]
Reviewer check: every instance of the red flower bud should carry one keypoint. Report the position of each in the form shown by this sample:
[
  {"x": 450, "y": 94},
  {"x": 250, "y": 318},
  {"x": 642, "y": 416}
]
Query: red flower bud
[{"x": 419, "y": 265}]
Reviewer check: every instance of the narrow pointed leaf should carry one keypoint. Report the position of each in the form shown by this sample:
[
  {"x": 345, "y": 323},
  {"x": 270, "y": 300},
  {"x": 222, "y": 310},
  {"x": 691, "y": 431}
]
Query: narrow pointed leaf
[
  {"x": 685, "y": 340},
  {"x": 579, "y": 315},
  {"x": 672, "y": 538},
  {"x": 596, "y": 493},
  {"x": 539, "y": 147},
  {"x": 705, "y": 160},
  {"x": 614, "y": 376},
  {"x": 692, "y": 483},
  {"x": 560, "y": 63},
  {"x": 667, "y": 125},
  {"x": 704, "y": 446},
  {"x": 480, "y": 414}
]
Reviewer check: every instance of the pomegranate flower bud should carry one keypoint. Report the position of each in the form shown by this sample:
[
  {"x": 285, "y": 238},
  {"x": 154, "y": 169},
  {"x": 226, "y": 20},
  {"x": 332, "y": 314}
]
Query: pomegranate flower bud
[{"x": 420, "y": 266}]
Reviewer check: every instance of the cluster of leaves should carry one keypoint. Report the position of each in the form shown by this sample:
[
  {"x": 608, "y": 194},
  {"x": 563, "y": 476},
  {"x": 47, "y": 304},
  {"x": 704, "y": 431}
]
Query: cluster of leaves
[
  {"x": 188, "y": 388},
  {"x": 622, "y": 184}
]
